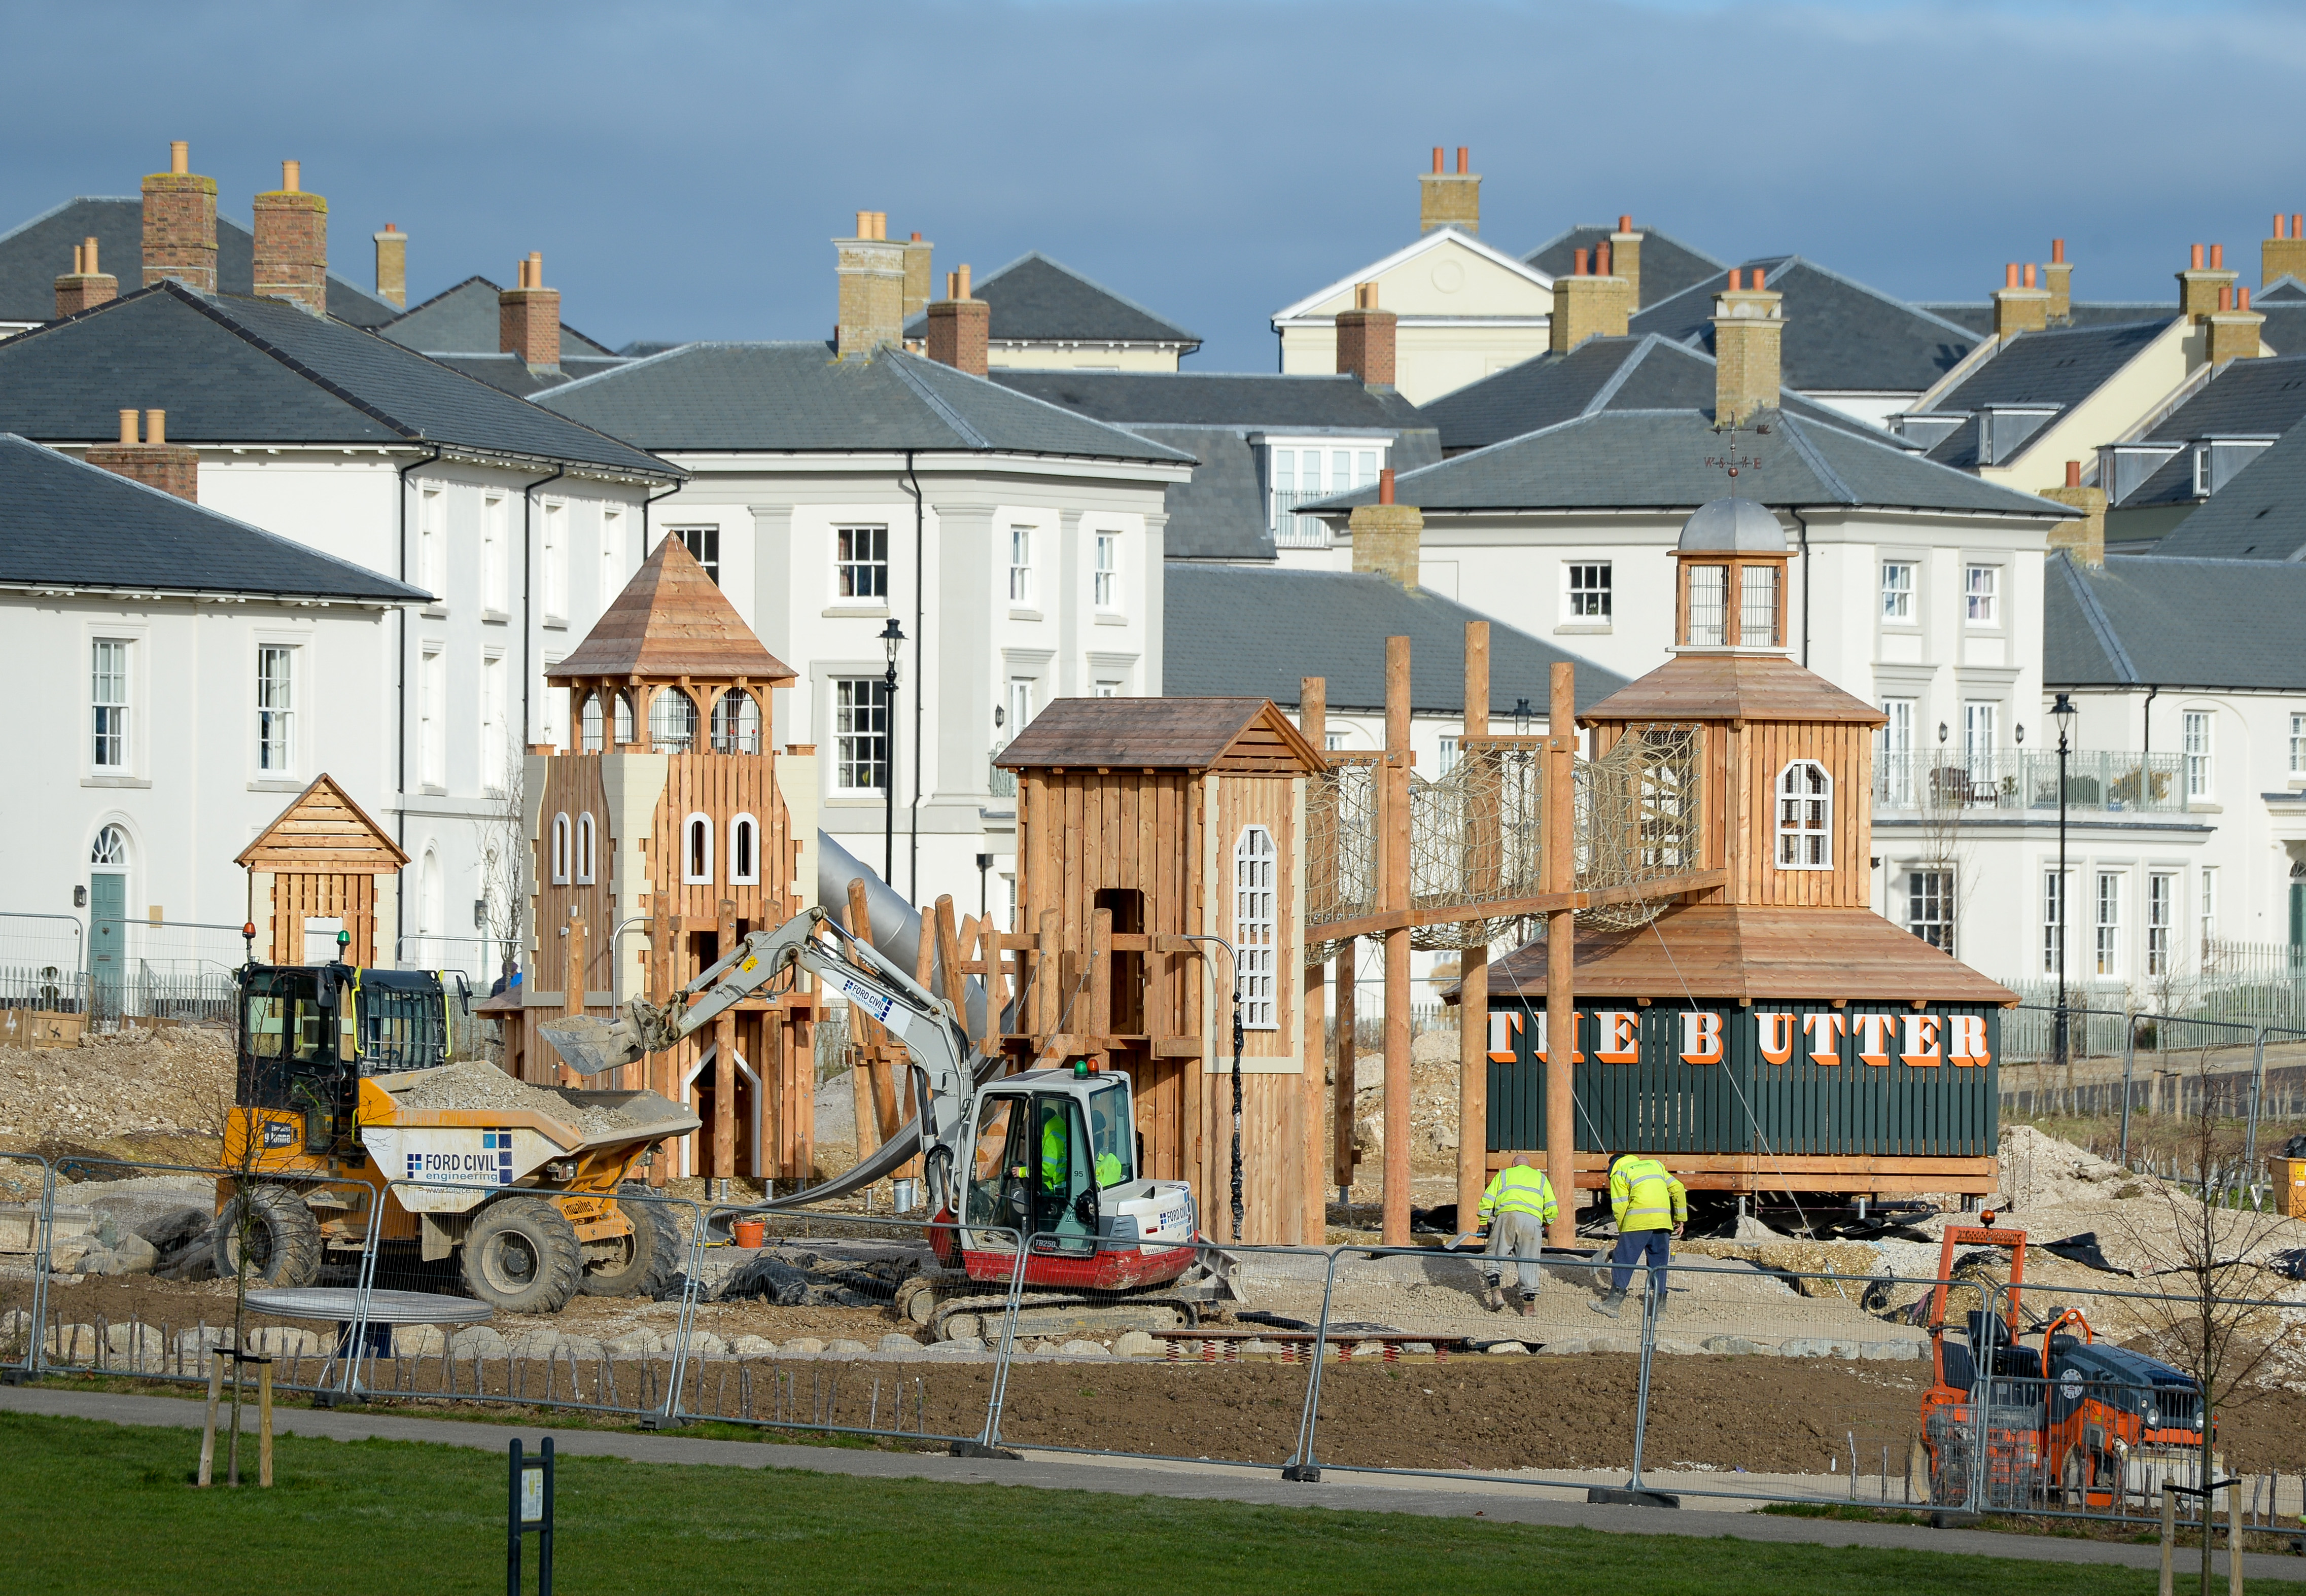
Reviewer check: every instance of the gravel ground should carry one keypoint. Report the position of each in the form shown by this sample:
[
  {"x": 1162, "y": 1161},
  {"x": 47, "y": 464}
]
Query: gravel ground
[{"x": 476, "y": 1084}]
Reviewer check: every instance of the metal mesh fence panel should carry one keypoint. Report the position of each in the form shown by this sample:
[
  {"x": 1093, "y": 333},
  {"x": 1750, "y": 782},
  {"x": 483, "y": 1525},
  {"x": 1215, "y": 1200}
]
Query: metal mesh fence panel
[
  {"x": 27, "y": 1202},
  {"x": 1184, "y": 1352},
  {"x": 846, "y": 1324}
]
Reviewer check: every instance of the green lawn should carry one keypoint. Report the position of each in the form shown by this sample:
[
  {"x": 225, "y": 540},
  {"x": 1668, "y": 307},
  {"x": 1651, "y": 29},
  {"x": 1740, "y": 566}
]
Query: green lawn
[{"x": 98, "y": 1507}]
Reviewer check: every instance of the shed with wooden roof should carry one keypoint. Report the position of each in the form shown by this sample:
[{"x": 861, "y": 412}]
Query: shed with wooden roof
[
  {"x": 1149, "y": 831},
  {"x": 322, "y": 867}
]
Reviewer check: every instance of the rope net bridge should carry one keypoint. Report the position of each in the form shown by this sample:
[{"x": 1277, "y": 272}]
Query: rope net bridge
[{"x": 1477, "y": 840}]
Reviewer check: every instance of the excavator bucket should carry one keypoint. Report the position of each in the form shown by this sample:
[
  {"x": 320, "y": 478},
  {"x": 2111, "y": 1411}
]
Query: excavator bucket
[{"x": 593, "y": 1046}]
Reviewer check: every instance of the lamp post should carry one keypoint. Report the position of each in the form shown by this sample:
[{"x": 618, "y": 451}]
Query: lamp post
[
  {"x": 2062, "y": 711},
  {"x": 892, "y": 638},
  {"x": 984, "y": 865}
]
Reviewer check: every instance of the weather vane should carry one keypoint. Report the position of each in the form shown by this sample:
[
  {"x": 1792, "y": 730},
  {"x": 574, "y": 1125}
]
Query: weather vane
[{"x": 1731, "y": 459}]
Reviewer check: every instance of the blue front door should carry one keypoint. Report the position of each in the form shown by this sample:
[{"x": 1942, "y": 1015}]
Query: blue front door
[{"x": 107, "y": 943}]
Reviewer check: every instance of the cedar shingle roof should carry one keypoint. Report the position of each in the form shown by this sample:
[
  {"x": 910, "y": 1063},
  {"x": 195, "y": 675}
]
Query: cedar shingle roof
[
  {"x": 1191, "y": 734},
  {"x": 1732, "y": 687},
  {"x": 671, "y": 621}
]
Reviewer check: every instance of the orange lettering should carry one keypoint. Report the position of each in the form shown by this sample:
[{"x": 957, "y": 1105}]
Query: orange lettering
[
  {"x": 1871, "y": 1031},
  {"x": 1701, "y": 1038},
  {"x": 1968, "y": 1048},
  {"x": 1826, "y": 1032},
  {"x": 1620, "y": 1037},
  {"x": 1503, "y": 1029},
  {"x": 1776, "y": 1034},
  {"x": 1921, "y": 1042}
]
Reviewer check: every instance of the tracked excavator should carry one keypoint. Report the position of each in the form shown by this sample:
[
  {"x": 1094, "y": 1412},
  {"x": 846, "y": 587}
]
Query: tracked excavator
[{"x": 1051, "y": 1156}]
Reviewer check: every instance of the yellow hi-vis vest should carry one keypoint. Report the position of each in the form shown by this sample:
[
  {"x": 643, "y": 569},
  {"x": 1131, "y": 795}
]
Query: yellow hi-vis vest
[
  {"x": 1518, "y": 1188},
  {"x": 1644, "y": 1197}
]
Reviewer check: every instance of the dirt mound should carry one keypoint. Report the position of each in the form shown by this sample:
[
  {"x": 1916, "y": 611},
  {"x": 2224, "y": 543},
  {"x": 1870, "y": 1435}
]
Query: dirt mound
[
  {"x": 162, "y": 1082},
  {"x": 474, "y": 1083}
]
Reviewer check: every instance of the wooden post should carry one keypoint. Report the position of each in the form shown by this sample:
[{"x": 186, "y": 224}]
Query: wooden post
[
  {"x": 1100, "y": 989},
  {"x": 1394, "y": 840},
  {"x": 572, "y": 993},
  {"x": 208, "y": 1428},
  {"x": 2169, "y": 1533},
  {"x": 1313, "y": 721},
  {"x": 1048, "y": 969},
  {"x": 861, "y": 1043},
  {"x": 724, "y": 1063},
  {"x": 2234, "y": 1542},
  {"x": 956, "y": 973},
  {"x": 264, "y": 1422},
  {"x": 1560, "y": 868},
  {"x": 1341, "y": 1092},
  {"x": 1474, "y": 963}
]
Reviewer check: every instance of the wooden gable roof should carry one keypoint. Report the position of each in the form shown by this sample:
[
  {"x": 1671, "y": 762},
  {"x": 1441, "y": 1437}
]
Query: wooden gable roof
[
  {"x": 671, "y": 621},
  {"x": 1694, "y": 686},
  {"x": 1246, "y": 735},
  {"x": 323, "y": 830}
]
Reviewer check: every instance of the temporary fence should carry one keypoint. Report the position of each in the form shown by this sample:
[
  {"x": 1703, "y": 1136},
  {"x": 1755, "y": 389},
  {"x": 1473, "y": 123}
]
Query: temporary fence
[{"x": 1714, "y": 1378}]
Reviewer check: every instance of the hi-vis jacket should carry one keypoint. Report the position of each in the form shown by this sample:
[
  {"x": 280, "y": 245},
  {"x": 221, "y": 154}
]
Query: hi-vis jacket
[
  {"x": 1518, "y": 1188},
  {"x": 1644, "y": 1197}
]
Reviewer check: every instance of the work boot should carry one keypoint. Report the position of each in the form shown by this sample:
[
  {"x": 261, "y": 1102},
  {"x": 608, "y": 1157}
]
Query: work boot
[
  {"x": 1493, "y": 1298},
  {"x": 1529, "y": 1305},
  {"x": 1610, "y": 1304}
]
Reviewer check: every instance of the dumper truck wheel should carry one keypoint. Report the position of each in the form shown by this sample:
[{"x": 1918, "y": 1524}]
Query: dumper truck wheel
[
  {"x": 650, "y": 1260},
  {"x": 521, "y": 1255},
  {"x": 283, "y": 1238}
]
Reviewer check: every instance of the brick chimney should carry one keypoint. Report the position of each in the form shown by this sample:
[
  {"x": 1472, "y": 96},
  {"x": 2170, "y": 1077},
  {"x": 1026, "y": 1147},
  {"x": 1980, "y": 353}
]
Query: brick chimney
[
  {"x": 392, "y": 266},
  {"x": 1365, "y": 339},
  {"x": 180, "y": 224},
  {"x": 1590, "y": 302},
  {"x": 960, "y": 326},
  {"x": 1625, "y": 257},
  {"x": 2198, "y": 284},
  {"x": 2058, "y": 278},
  {"x": 2019, "y": 304},
  {"x": 2284, "y": 253},
  {"x": 84, "y": 287},
  {"x": 2234, "y": 329},
  {"x": 292, "y": 243},
  {"x": 1749, "y": 324},
  {"x": 528, "y": 318},
  {"x": 919, "y": 284},
  {"x": 1385, "y": 535},
  {"x": 157, "y": 463},
  {"x": 872, "y": 277},
  {"x": 2085, "y": 539},
  {"x": 1450, "y": 199}
]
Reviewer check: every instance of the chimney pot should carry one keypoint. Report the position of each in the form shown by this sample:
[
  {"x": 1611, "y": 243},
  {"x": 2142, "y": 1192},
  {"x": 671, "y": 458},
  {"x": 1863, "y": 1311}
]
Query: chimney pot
[
  {"x": 864, "y": 224},
  {"x": 2297, "y": 225},
  {"x": 2281, "y": 225},
  {"x": 2074, "y": 473},
  {"x": 155, "y": 427},
  {"x": 1437, "y": 160},
  {"x": 80, "y": 260},
  {"x": 93, "y": 268},
  {"x": 1736, "y": 279},
  {"x": 2029, "y": 274},
  {"x": 963, "y": 292},
  {"x": 1577, "y": 266},
  {"x": 2217, "y": 257},
  {"x": 916, "y": 235},
  {"x": 1625, "y": 224},
  {"x": 2242, "y": 295},
  {"x": 180, "y": 157},
  {"x": 1384, "y": 486},
  {"x": 292, "y": 175},
  {"x": 2197, "y": 259},
  {"x": 1464, "y": 163},
  {"x": 2057, "y": 251},
  {"x": 1601, "y": 259},
  {"x": 2226, "y": 299},
  {"x": 2009, "y": 275},
  {"x": 128, "y": 429}
]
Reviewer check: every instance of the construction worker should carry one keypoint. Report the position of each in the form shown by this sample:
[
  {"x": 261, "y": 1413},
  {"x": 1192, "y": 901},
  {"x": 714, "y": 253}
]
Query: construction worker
[
  {"x": 1516, "y": 1208},
  {"x": 1650, "y": 1206}
]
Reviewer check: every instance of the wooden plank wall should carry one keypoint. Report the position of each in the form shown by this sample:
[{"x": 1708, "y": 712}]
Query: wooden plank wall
[
  {"x": 1847, "y": 752},
  {"x": 572, "y": 787},
  {"x": 1083, "y": 833},
  {"x": 327, "y": 894}
]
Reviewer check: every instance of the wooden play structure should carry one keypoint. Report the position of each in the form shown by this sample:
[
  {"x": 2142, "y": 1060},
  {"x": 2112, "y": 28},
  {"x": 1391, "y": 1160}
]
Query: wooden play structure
[
  {"x": 663, "y": 834},
  {"x": 322, "y": 867}
]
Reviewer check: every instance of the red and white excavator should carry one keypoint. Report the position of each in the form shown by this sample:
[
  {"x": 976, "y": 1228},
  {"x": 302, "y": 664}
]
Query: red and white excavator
[{"x": 1049, "y": 1154}]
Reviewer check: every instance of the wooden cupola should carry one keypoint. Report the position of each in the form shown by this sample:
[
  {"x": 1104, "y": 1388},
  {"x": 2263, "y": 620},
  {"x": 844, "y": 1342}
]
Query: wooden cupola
[{"x": 1730, "y": 586}]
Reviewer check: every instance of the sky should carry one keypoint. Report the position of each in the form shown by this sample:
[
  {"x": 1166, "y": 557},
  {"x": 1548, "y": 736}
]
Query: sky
[{"x": 684, "y": 167}]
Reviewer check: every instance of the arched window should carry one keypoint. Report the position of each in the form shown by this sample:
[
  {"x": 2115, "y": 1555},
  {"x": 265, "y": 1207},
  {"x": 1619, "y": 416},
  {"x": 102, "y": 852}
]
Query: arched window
[
  {"x": 744, "y": 851},
  {"x": 584, "y": 849},
  {"x": 559, "y": 852},
  {"x": 696, "y": 850},
  {"x": 736, "y": 723},
  {"x": 1804, "y": 817},
  {"x": 592, "y": 720},
  {"x": 672, "y": 722},
  {"x": 1253, "y": 924},
  {"x": 625, "y": 718},
  {"x": 111, "y": 848}
]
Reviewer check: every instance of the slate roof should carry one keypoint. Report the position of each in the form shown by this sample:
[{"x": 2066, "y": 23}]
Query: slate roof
[
  {"x": 1236, "y": 628},
  {"x": 65, "y": 523},
  {"x": 2258, "y": 515},
  {"x": 2262, "y": 398},
  {"x": 1978, "y": 315},
  {"x": 463, "y": 321},
  {"x": 1221, "y": 513},
  {"x": 1630, "y": 459},
  {"x": 1167, "y": 733},
  {"x": 230, "y": 369},
  {"x": 798, "y": 398},
  {"x": 672, "y": 621},
  {"x": 35, "y": 253},
  {"x": 1036, "y": 301},
  {"x": 1629, "y": 374},
  {"x": 2164, "y": 621},
  {"x": 1669, "y": 266},
  {"x": 1841, "y": 336},
  {"x": 2062, "y": 367},
  {"x": 2283, "y": 303}
]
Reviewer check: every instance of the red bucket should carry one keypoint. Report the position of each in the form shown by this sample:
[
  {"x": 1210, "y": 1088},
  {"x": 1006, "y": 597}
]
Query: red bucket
[{"x": 749, "y": 1232}]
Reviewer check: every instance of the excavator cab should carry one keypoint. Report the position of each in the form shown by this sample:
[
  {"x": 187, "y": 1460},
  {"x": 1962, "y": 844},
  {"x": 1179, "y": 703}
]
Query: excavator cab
[{"x": 1046, "y": 1158}]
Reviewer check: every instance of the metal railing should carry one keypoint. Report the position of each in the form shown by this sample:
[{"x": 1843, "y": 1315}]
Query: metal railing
[
  {"x": 2098, "y": 781},
  {"x": 1293, "y": 531},
  {"x": 998, "y": 782}
]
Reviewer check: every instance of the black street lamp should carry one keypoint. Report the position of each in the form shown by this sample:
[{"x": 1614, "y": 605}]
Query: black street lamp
[
  {"x": 892, "y": 638},
  {"x": 984, "y": 865},
  {"x": 2062, "y": 711}
]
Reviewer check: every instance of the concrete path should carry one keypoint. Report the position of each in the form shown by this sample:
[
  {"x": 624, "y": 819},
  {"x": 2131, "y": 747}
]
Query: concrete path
[{"x": 1435, "y": 1498}]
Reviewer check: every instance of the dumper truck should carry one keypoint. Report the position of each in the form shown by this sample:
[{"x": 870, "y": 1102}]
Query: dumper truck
[{"x": 344, "y": 1086}]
